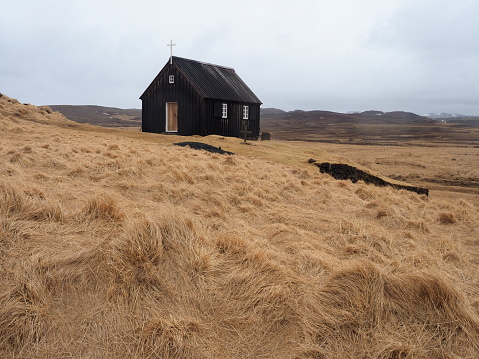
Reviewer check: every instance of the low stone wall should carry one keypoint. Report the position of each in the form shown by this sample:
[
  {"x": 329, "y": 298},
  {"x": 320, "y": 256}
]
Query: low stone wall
[{"x": 345, "y": 172}]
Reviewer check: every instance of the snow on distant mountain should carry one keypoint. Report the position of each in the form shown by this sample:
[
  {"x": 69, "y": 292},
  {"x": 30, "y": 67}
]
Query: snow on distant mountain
[{"x": 444, "y": 115}]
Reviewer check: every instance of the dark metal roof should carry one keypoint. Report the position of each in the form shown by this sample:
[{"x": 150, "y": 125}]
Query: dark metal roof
[{"x": 214, "y": 81}]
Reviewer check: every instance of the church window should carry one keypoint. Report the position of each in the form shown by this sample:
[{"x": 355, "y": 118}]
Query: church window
[
  {"x": 224, "y": 110},
  {"x": 245, "y": 112}
]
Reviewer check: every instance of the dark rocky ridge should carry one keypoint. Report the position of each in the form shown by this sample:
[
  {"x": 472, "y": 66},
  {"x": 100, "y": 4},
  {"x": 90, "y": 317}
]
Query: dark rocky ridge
[
  {"x": 204, "y": 146},
  {"x": 342, "y": 171}
]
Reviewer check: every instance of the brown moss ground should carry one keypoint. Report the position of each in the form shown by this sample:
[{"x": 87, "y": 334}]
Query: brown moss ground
[{"x": 119, "y": 244}]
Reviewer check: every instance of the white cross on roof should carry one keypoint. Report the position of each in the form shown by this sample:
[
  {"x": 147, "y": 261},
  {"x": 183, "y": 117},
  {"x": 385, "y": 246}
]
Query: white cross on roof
[{"x": 171, "y": 44}]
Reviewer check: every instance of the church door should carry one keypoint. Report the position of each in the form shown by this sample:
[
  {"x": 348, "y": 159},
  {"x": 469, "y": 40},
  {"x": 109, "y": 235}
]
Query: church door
[{"x": 171, "y": 116}]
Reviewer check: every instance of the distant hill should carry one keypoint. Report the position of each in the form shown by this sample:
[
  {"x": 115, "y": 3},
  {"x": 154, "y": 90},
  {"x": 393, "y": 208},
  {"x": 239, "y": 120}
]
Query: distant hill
[
  {"x": 367, "y": 117},
  {"x": 271, "y": 111},
  {"x": 360, "y": 127},
  {"x": 366, "y": 127},
  {"x": 470, "y": 121},
  {"x": 101, "y": 116},
  {"x": 117, "y": 117},
  {"x": 444, "y": 115},
  {"x": 393, "y": 116}
]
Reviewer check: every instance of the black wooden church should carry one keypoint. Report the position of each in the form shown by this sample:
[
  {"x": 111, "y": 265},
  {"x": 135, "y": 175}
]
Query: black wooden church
[{"x": 190, "y": 97}]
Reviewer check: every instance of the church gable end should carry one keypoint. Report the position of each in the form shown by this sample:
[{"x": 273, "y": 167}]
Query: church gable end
[{"x": 209, "y": 99}]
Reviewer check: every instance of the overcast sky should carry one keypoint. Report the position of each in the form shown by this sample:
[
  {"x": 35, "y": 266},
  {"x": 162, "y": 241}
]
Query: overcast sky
[{"x": 344, "y": 55}]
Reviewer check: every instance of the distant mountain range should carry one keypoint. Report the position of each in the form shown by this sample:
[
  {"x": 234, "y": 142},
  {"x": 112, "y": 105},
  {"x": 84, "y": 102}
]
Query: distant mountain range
[
  {"x": 370, "y": 117},
  {"x": 444, "y": 115},
  {"x": 395, "y": 127},
  {"x": 358, "y": 127},
  {"x": 117, "y": 117}
]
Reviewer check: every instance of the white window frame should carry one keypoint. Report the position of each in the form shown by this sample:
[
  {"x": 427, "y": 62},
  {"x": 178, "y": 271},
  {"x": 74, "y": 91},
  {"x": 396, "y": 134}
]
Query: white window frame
[
  {"x": 245, "y": 112},
  {"x": 224, "y": 110},
  {"x": 171, "y": 79}
]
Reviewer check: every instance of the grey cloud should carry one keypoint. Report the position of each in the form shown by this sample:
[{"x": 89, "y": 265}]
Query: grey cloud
[{"x": 339, "y": 56}]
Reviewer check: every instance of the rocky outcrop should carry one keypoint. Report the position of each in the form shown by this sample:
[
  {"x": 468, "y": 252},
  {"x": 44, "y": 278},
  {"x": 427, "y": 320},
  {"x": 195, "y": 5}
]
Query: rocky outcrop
[
  {"x": 204, "y": 146},
  {"x": 345, "y": 172}
]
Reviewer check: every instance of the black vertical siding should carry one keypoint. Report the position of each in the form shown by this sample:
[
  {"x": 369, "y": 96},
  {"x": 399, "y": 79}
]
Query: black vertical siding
[
  {"x": 160, "y": 93},
  {"x": 234, "y": 124},
  {"x": 196, "y": 114}
]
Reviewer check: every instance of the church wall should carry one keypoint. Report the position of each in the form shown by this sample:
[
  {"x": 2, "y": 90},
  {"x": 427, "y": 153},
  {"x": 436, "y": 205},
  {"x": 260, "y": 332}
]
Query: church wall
[
  {"x": 234, "y": 124},
  {"x": 160, "y": 93},
  {"x": 196, "y": 115}
]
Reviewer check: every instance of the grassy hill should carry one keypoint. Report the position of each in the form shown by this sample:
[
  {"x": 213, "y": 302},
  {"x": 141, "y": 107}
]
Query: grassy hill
[
  {"x": 100, "y": 115},
  {"x": 118, "y": 244}
]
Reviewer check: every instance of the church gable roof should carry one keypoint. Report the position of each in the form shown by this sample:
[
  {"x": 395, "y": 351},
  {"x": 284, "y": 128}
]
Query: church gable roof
[
  {"x": 214, "y": 81},
  {"x": 211, "y": 81}
]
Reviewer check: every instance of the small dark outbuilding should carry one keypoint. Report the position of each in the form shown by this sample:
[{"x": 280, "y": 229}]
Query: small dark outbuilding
[{"x": 190, "y": 97}]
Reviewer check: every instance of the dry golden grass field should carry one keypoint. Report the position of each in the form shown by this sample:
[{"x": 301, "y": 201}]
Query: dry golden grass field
[
  {"x": 448, "y": 171},
  {"x": 118, "y": 244}
]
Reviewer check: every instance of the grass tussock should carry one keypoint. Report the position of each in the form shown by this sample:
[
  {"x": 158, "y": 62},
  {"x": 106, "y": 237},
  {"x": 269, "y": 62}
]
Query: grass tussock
[
  {"x": 174, "y": 338},
  {"x": 23, "y": 306},
  {"x": 446, "y": 218},
  {"x": 22, "y": 317},
  {"x": 102, "y": 207},
  {"x": 363, "y": 304},
  {"x": 135, "y": 256},
  {"x": 111, "y": 250},
  {"x": 17, "y": 204}
]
